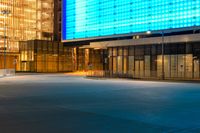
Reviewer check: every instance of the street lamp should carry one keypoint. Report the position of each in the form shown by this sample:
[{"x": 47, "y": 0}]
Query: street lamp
[
  {"x": 5, "y": 13},
  {"x": 163, "y": 64},
  {"x": 148, "y": 32}
]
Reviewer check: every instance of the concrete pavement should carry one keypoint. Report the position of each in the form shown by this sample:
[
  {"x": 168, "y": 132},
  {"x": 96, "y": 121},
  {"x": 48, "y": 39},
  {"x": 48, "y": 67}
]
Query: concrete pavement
[{"x": 60, "y": 103}]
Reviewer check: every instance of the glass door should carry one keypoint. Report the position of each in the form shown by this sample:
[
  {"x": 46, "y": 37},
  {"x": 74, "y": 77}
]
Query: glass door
[{"x": 139, "y": 69}]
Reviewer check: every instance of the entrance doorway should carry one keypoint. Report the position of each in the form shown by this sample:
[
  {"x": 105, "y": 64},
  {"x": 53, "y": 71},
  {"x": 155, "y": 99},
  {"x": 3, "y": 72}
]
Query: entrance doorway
[{"x": 139, "y": 69}]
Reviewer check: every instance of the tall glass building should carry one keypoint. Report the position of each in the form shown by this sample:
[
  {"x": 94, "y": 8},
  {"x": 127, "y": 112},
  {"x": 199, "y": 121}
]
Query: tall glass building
[
  {"x": 27, "y": 20},
  {"x": 99, "y": 18},
  {"x": 135, "y": 38}
]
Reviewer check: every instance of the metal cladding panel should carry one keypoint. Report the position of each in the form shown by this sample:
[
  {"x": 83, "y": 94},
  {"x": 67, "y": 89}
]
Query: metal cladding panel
[{"x": 86, "y": 19}]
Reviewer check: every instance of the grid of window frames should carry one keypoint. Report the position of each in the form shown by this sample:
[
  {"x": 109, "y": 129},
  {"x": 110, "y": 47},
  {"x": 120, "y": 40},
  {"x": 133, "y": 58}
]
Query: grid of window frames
[
  {"x": 181, "y": 61},
  {"x": 96, "y": 18}
]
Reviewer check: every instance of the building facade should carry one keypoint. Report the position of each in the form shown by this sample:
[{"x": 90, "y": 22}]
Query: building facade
[
  {"x": 44, "y": 56},
  {"x": 27, "y": 20},
  {"x": 132, "y": 38},
  {"x": 57, "y": 20}
]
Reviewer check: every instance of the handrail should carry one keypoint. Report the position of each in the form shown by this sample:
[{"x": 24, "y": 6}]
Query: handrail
[{"x": 141, "y": 75}]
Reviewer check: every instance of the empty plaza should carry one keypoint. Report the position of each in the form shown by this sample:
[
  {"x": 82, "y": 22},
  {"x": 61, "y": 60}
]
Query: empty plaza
[{"x": 61, "y": 103}]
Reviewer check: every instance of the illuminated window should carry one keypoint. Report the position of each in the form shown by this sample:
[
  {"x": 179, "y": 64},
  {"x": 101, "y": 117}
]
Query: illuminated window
[{"x": 96, "y": 18}]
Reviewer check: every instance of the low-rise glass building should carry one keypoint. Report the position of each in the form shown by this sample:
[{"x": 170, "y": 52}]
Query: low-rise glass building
[{"x": 133, "y": 38}]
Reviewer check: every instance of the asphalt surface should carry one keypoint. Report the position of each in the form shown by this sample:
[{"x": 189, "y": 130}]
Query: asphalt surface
[{"x": 61, "y": 103}]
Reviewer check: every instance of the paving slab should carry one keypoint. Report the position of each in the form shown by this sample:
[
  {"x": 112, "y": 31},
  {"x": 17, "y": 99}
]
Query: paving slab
[{"x": 61, "y": 103}]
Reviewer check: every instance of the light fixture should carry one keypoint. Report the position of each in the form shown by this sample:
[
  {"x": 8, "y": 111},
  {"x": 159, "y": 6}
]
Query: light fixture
[{"x": 148, "y": 32}]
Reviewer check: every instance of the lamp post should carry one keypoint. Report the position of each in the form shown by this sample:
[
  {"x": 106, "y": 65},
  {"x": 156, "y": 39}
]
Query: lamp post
[
  {"x": 163, "y": 63},
  {"x": 163, "y": 48},
  {"x": 5, "y": 13}
]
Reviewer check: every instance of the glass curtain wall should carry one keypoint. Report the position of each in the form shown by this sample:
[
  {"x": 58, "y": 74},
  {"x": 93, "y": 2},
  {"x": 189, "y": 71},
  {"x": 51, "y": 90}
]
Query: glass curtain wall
[
  {"x": 28, "y": 20},
  {"x": 181, "y": 61},
  {"x": 45, "y": 56}
]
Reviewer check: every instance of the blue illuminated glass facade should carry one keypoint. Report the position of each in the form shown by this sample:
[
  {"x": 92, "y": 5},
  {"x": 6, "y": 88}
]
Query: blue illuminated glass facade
[{"x": 99, "y": 18}]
